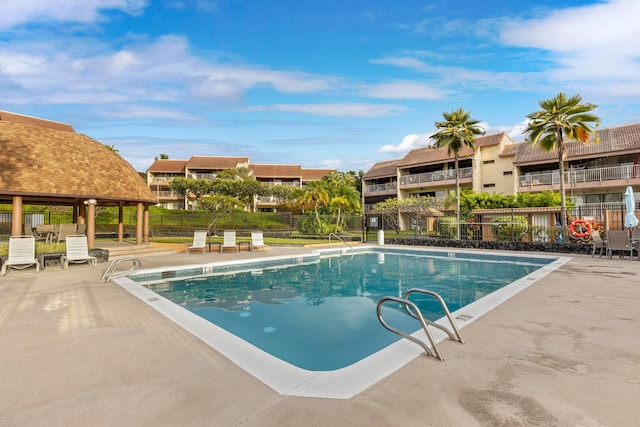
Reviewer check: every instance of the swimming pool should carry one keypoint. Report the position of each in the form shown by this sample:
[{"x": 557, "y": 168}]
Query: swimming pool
[{"x": 313, "y": 317}]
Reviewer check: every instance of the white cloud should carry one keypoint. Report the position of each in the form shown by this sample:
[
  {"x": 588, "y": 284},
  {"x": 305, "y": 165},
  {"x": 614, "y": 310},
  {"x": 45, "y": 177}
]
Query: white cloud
[
  {"x": 409, "y": 142},
  {"x": 334, "y": 110},
  {"x": 403, "y": 89},
  {"x": 593, "y": 46},
  {"x": 13, "y": 13},
  {"x": 161, "y": 70}
]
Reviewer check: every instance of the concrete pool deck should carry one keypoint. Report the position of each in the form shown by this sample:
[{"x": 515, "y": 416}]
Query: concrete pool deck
[{"x": 76, "y": 351}]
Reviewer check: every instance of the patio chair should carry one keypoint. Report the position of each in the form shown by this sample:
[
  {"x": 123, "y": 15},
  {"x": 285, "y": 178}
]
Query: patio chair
[
  {"x": 66, "y": 230},
  {"x": 598, "y": 243},
  {"x": 199, "y": 242},
  {"x": 229, "y": 241},
  {"x": 77, "y": 251},
  {"x": 27, "y": 230},
  {"x": 22, "y": 254},
  {"x": 257, "y": 241},
  {"x": 619, "y": 240},
  {"x": 81, "y": 229},
  {"x": 45, "y": 232}
]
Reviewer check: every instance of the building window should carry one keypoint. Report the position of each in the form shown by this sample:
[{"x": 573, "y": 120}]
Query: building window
[
  {"x": 507, "y": 173},
  {"x": 489, "y": 185},
  {"x": 488, "y": 162}
]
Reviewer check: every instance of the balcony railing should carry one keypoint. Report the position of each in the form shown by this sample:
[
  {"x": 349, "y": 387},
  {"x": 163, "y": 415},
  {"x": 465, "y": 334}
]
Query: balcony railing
[
  {"x": 581, "y": 175},
  {"x": 436, "y": 176},
  {"x": 376, "y": 188},
  {"x": 165, "y": 194},
  {"x": 267, "y": 199},
  {"x": 155, "y": 179},
  {"x": 209, "y": 176}
]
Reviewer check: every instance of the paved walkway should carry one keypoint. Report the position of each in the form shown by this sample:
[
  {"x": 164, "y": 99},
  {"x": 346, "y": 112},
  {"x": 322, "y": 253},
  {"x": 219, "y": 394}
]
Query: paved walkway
[{"x": 75, "y": 351}]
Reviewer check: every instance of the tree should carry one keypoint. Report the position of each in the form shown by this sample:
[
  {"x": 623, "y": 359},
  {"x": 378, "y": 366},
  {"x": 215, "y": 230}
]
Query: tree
[
  {"x": 344, "y": 197},
  {"x": 186, "y": 187},
  {"x": 219, "y": 205},
  {"x": 559, "y": 117},
  {"x": 316, "y": 194},
  {"x": 239, "y": 183},
  {"x": 112, "y": 148},
  {"x": 163, "y": 157},
  {"x": 414, "y": 207},
  {"x": 456, "y": 131}
]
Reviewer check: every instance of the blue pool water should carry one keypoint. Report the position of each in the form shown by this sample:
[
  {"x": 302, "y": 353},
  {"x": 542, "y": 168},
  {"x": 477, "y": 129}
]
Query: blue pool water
[{"x": 321, "y": 315}]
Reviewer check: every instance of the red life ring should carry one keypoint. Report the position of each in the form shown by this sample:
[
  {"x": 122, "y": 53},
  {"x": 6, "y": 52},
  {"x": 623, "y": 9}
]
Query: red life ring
[{"x": 585, "y": 226}]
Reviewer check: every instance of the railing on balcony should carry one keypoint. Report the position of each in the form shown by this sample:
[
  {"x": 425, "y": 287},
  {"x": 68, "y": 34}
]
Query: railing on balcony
[
  {"x": 267, "y": 199},
  {"x": 155, "y": 179},
  {"x": 209, "y": 176},
  {"x": 165, "y": 194},
  {"x": 375, "y": 188},
  {"x": 436, "y": 176},
  {"x": 581, "y": 175}
]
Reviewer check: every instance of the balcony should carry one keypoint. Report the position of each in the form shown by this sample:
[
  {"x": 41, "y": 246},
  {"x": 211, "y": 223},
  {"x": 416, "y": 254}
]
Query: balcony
[
  {"x": 209, "y": 176},
  {"x": 159, "y": 179},
  {"x": 267, "y": 200},
  {"x": 610, "y": 176},
  {"x": 390, "y": 187},
  {"x": 166, "y": 194},
  {"x": 436, "y": 177}
]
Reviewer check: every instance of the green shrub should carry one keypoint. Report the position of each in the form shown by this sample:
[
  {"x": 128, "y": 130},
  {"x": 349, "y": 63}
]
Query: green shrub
[
  {"x": 447, "y": 227},
  {"x": 509, "y": 227}
]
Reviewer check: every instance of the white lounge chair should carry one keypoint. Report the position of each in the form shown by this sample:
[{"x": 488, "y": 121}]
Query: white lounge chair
[
  {"x": 199, "y": 242},
  {"x": 77, "y": 251},
  {"x": 22, "y": 254},
  {"x": 229, "y": 241},
  {"x": 257, "y": 241}
]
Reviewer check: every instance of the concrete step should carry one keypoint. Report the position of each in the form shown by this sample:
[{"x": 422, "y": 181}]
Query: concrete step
[{"x": 123, "y": 250}]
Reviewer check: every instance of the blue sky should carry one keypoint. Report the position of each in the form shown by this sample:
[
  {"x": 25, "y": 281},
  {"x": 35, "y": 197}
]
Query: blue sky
[{"x": 321, "y": 83}]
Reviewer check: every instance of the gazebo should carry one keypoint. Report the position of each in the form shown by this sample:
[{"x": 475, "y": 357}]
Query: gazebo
[{"x": 47, "y": 163}]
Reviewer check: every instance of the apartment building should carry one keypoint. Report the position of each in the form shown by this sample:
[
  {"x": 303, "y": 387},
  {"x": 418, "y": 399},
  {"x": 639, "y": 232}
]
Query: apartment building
[
  {"x": 596, "y": 172},
  {"x": 160, "y": 174}
]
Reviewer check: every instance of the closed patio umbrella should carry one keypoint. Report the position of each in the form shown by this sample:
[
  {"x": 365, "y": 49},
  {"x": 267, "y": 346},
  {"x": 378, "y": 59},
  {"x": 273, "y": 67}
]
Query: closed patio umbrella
[{"x": 630, "y": 220}]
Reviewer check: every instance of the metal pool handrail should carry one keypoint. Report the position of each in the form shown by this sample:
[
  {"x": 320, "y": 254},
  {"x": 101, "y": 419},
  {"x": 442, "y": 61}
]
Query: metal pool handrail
[
  {"x": 343, "y": 242},
  {"x": 110, "y": 274},
  {"x": 413, "y": 311}
]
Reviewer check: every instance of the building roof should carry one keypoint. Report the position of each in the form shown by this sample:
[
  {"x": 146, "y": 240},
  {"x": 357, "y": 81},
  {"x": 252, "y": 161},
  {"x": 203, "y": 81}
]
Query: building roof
[
  {"x": 49, "y": 163},
  {"x": 216, "y": 162},
  {"x": 276, "y": 171},
  {"x": 315, "y": 174},
  {"x": 382, "y": 170},
  {"x": 169, "y": 166},
  {"x": 612, "y": 141},
  {"x": 429, "y": 155}
]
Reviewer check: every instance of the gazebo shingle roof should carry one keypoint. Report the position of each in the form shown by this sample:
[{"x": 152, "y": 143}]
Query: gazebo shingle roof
[{"x": 48, "y": 162}]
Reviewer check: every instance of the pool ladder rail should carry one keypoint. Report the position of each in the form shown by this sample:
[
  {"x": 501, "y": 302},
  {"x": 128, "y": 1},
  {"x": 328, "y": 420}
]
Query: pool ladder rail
[
  {"x": 413, "y": 311},
  {"x": 111, "y": 273},
  {"x": 342, "y": 240}
]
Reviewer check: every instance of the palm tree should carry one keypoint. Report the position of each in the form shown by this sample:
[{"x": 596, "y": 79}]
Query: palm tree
[
  {"x": 456, "y": 131},
  {"x": 344, "y": 197},
  {"x": 560, "y": 117},
  {"x": 315, "y": 192}
]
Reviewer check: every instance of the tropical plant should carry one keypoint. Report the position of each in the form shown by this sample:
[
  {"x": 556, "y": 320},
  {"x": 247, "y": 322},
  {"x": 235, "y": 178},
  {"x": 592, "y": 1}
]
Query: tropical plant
[
  {"x": 456, "y": 131},
  {"x": 559, "y": 117},
  {"x": 509, "y": 227},
  {"x": 344, "y": 197},
  {"x": 316, "y": 195}
]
